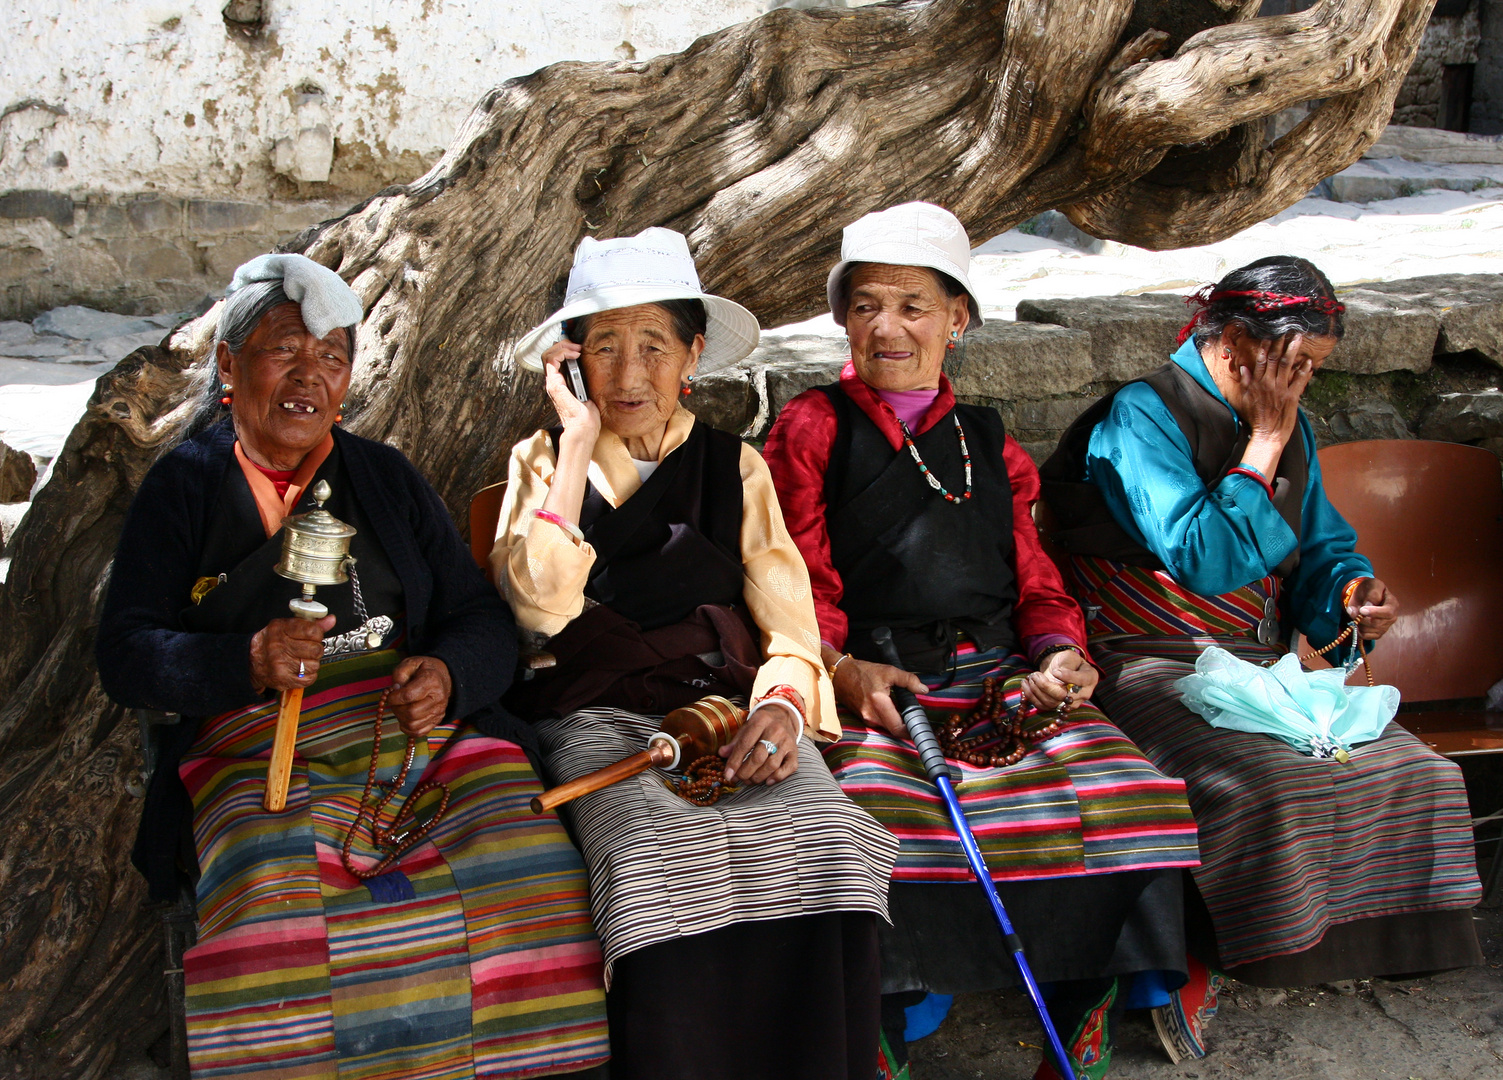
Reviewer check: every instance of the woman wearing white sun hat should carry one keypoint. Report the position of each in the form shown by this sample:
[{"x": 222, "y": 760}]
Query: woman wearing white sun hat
[
  {"x": 913, "y": 511},
  {"x": 648, "y": 548}
]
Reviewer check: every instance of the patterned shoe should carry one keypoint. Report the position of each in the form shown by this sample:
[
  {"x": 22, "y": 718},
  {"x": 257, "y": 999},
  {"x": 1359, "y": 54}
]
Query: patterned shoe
[
  {"x": 1182, "y": 1023},
  {"x": 1090, "y": 1048}
]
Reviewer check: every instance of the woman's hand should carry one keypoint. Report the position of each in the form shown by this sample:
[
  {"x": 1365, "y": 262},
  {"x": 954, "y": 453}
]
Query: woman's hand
[
  {"x": 581, "y": 419},
  {"x": 1374, "y": 608},
  {"x": 1271, "y": 389},
  {"x": 747, "y": 761},
  {"x": 421, "y": 695},
  {"x": 866, "y": 689},
  {"x": 1050, "y": 686},
  {"x": 283, "y": 646}
]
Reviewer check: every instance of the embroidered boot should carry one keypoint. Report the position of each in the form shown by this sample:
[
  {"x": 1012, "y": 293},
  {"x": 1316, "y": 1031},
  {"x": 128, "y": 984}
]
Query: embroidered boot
[
  {"x": 1181, "y": 1024},
  {"x": 1090, "y": 1045}
]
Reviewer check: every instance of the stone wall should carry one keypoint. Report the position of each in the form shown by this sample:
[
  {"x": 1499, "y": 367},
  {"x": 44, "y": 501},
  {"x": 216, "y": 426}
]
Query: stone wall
[
  {"x": 147, "y": 145},
  {"x": 1421, "y": 359},
  {"x": 1452, "y": 37}
]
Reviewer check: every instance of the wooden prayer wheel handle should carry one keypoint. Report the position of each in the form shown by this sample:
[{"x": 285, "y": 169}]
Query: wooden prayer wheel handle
[
  {"x": 660, "y": 753},
  {"x": 284, "y": 743}
]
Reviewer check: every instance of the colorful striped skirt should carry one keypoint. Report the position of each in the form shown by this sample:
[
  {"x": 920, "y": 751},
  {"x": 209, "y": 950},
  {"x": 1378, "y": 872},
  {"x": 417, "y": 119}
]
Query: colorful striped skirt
[
  {"x": 473, "y": 957},
  {"x": 1083, "y": 802},
  {"x": 1292, "y": 845},
  {"x": 662, "y": 868}
]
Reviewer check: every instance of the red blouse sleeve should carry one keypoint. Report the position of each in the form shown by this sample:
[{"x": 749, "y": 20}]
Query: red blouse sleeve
[
  {"x": 797, "y": 454},
  {"x": 1044, "y": 607}
]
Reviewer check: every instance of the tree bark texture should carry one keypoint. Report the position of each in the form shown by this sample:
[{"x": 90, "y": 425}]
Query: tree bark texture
[{"x": 1141, "y": 121}]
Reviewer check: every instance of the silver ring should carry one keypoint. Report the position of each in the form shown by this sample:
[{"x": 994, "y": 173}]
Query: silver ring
[
  {"x": 768, "y": 745},
  {"x": 302, "y": 672}
]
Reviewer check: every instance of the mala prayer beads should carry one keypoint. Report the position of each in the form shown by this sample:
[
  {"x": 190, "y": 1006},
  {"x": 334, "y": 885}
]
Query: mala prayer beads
[
  {"x": 992, "y": 708},
  {"x": 703, "y": 781}
]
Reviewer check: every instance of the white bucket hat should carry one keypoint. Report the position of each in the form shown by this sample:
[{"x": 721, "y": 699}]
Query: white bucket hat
[
  {"x": 911, "y": 234},
  {"x": 630, "y": 270}
]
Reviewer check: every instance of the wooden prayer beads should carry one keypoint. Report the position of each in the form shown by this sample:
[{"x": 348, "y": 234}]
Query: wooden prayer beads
[
  {"x": 992, "y": 708},
  {"x": 703, "y": 781}
]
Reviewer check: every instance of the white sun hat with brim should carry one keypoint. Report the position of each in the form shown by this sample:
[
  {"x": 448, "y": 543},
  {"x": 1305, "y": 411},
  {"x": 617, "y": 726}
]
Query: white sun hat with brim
[
  {"x": 911, "y": 234},
  {"x": 643, "y": 269}
]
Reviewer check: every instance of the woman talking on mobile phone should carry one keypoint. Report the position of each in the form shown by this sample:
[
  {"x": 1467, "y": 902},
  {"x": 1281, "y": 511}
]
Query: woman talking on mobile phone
[{"x": 649, "y": 550}]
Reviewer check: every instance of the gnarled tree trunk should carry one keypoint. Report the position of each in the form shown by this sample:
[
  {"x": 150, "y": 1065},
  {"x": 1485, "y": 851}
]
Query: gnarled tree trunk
[{"x": 1143, "y": 122}]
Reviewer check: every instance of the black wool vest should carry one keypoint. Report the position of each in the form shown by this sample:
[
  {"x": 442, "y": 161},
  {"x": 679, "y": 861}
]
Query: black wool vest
[
  {"x": 676, "y": 543},
  {"x": 908, "y": 558},
  {"x": 1084, "y": 523}
]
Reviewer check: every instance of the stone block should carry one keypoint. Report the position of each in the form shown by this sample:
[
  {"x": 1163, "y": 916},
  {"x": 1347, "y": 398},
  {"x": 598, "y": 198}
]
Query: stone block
[
  {"x": 796, "y": 364},
  {"x": 1470, "y": 307},
  {"x": 13, "y": 332},
  {"x": 1394, "y": 178},
  {"x": 39, "y": 348},
  {"x": 1130, "y": 335},
  {"x": 86, "y": 324},
  {"x": 149, "y": 260},
  {"x": 225, "y": 256},
  {"x": 17, "y": 474},
  {"x": 106, "y": 219},
  {"x": 154, "y": 215},
  {"x": 30, "y": 203},
  {"x": 1464, "y": 417},
  {"x": 1008, "y": 360},
  {"x": 1051, "y": 416},
  {"x": 117, "y": 348},
  {"x": 725, "y": 399},
  {"x": 1437, "y": 144},
  {"x": 219, "y": 216},
  {"x": 1384, "y": 332},
  {"x": 1368, "y": 420}
]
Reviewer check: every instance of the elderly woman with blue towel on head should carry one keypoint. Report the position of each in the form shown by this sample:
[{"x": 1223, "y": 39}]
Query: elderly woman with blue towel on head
[{"x": 462, "y": 949}]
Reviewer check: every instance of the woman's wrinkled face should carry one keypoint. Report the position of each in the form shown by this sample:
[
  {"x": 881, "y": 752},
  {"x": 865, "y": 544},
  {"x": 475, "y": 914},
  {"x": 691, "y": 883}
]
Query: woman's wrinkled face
[
  {"x": 899, "y": 321},
  {"x": 634, "y": 366},
  {"x": 1245, "y": 349},
  {"x": 288, "y": 386}
]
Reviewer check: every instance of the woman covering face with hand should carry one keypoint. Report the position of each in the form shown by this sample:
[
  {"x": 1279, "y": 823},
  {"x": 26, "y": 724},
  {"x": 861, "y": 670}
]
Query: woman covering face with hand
[
  {"x": 1192, "y": 505},
  {"x": 648, "y": 550},
  {"x": 913, "y": 511},
  {"x": 319, "y": 950}
]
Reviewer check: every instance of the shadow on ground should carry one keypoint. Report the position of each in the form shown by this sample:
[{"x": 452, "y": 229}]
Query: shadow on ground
[{"x": 1444, "y": 1027}]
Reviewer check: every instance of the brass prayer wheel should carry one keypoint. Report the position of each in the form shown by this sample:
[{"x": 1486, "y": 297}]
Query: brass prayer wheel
[
  {"x": 699, "y": 729},
  {"x": 315, "y": 544}
]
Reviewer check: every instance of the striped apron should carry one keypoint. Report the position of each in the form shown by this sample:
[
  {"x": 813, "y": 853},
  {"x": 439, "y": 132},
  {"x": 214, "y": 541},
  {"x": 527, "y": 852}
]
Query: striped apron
[
  {"x": 1291, "y": 845},
  {"x": 473, "y": 958}
]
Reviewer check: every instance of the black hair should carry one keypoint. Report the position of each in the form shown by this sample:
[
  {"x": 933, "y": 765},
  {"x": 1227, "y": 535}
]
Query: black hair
[
  {"x": 688, "y": 317},
  {"x": 1269, "y": 279},
  {"x": 951, "y": 287}
]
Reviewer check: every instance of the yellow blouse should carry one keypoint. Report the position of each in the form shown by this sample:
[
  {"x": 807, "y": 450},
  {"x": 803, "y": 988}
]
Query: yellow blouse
[{"x": 543, "y": 569}]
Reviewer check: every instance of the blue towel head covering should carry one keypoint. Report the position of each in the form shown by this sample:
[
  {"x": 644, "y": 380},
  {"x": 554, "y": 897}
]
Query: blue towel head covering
[{"x": 327, "y": 302}]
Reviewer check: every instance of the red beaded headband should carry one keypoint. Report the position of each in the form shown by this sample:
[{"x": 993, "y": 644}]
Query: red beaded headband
[{"x": 1262, "y": 301}]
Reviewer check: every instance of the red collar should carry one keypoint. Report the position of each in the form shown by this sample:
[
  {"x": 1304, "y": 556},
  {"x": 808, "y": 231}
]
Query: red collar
[{"x": 881, "y": 413}]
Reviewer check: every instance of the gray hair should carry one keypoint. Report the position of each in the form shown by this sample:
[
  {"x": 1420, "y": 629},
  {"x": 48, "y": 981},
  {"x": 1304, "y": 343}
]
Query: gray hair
[{"x": 243, "y": 311}]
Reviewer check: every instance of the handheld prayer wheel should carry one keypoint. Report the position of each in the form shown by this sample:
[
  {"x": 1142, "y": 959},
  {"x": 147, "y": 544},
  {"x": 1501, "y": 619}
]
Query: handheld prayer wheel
[
  {"x": 315, "y": 551},
  {"x": 689, "y": 733}
]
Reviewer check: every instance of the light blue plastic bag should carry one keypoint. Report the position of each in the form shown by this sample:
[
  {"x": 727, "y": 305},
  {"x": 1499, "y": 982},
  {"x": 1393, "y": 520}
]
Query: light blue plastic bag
[{"x": 1312, "y": 711}]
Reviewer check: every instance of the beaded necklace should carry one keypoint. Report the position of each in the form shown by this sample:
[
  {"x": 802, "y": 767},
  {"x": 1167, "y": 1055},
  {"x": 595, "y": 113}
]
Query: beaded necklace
[{"x": 965, "y": 455}]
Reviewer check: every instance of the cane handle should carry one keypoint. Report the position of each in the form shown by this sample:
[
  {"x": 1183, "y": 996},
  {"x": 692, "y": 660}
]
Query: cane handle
[{"x": 914, "y": 718}]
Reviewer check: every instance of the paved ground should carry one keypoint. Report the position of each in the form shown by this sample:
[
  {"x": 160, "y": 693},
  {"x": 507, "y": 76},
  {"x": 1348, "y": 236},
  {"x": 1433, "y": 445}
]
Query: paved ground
[{"x": 1447, "y": 1027}]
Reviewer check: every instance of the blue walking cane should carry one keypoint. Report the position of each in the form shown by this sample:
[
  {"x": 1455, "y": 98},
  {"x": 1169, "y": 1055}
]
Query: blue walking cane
[{"x": 933, "y": 759}]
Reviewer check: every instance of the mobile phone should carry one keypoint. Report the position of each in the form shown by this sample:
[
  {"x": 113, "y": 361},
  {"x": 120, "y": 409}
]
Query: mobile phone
[{"x": 575, "y": 379}]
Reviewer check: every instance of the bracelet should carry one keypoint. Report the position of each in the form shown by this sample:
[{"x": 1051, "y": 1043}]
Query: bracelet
[
  {"x": 1052, "y": 649},
  {"x": 788, "y": 696},
  {"x": 833, "y": 668},
  {"x": 1348, "y": 593},
  {"x": 555, "y": 519}
]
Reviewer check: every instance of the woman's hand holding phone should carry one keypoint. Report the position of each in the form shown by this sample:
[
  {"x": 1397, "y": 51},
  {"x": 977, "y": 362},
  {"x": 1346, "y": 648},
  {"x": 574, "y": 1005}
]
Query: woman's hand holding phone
[{"x": 581, "y": 419}]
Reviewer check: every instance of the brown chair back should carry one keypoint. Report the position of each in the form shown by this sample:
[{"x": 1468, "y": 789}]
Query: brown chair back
[
  {"x": 485, "y": 513},
  {"x": 1429, "y": 515}
]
